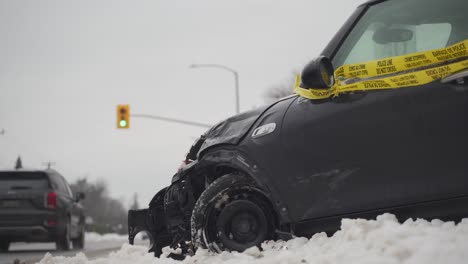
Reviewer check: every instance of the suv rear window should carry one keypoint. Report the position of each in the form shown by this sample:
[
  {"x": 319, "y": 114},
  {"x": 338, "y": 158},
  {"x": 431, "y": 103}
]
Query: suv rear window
[{"x": 23, "y": 181}]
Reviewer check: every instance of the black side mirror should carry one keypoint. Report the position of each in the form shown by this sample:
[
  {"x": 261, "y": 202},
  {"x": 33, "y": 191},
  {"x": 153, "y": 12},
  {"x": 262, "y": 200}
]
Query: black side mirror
[
  {"x": 318, "y": 74},
  {"x": 79, "y": 196}
]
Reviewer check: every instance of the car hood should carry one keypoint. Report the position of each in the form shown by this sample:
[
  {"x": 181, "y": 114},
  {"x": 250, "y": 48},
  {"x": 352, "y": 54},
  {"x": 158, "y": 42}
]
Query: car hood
[{"x": 231, "y": 130}]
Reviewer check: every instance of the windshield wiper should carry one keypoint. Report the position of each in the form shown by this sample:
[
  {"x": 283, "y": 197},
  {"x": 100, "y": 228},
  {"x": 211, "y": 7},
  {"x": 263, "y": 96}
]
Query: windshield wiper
[{"x": 458, "y": 77}]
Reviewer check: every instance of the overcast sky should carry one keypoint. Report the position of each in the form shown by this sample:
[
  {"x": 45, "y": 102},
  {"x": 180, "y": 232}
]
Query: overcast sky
[{"x": 65, "y": 65}]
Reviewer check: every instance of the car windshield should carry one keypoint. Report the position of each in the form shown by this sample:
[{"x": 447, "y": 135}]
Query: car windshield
[{"x": 399, "y": 27}]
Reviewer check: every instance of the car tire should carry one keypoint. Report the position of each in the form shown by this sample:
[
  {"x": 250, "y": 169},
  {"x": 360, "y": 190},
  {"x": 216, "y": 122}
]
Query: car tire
[
  {"x": 232, "y": 214},
  {"x": 63, "y": 242},
  {"x": 4, "y": 246},
  {"x": 79, "y": 242}
]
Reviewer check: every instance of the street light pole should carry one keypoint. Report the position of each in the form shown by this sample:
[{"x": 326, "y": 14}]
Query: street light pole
[
  {"x": 236, "y": 83},
  {"x": 236, "y": 79}
]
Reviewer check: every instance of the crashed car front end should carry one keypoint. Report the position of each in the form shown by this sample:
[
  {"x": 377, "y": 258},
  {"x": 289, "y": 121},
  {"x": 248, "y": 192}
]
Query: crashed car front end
[{"x": 168, "y": 216}]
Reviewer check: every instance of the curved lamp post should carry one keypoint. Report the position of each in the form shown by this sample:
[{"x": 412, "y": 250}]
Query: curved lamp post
[{"x": 236, "y": 78}]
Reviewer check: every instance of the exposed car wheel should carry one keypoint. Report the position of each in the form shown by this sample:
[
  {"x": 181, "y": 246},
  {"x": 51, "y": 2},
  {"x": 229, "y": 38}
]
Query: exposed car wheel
[
  {"x": 79, "y": 242},
  {"x": 4, "y": 246},
  {"x": 232, "y": 214},
  {"x": 64, "y": 242}
]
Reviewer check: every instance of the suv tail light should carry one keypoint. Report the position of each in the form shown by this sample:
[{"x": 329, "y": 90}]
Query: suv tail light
[{"x": 52, "y": 200}]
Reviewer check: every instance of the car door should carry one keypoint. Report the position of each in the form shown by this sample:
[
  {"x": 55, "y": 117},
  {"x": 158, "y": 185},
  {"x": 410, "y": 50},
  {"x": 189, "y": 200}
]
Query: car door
[
  {"x": 75, "y": 209},
  {"x": 66, "y": 202},
  {"x": 376, "y": 150}
]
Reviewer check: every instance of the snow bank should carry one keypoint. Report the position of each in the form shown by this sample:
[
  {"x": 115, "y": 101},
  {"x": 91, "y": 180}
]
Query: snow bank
[
  {"x": 365, "y": 242},
  {"x": 95, "y": 237}
]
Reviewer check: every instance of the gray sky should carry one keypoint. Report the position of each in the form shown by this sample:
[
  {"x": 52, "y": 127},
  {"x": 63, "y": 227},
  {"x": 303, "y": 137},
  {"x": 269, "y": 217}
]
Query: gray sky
[{"x": 65, "y": 65}]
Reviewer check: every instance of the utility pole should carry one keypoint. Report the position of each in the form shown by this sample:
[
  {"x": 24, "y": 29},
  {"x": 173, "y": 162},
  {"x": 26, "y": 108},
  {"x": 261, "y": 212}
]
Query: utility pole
[{"x": 49, "y": 164}]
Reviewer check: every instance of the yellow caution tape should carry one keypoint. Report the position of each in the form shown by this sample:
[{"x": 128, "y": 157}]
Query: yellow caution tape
[
  {"x": 394, "y": 65},
  {"x": 297, "y": 81}
]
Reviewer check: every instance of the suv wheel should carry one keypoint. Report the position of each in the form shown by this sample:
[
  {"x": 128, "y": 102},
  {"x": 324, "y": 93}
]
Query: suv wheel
[
  {"x": 4, "y": 246},
  {"x": 63, "y": 242},
  {"x": 232, "y": 214},
  {"x": 78, "y": 243}
]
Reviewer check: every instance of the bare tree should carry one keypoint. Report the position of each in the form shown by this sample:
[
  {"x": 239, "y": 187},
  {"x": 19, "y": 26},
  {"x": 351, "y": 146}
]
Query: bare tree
[
  {"x": 281, "y": 89},
  {"x": 108, "y": 214}
]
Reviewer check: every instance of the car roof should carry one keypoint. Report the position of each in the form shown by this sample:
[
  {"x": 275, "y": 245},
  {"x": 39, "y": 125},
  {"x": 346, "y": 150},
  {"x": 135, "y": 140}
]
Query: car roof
[
  {"x": 47, "y": 171},
  {"x": 371, "y": 2}
]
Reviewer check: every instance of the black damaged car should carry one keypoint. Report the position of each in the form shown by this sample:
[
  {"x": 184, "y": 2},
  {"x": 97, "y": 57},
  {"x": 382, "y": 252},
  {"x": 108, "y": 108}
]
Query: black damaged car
[{"x": 302, "y": 164}]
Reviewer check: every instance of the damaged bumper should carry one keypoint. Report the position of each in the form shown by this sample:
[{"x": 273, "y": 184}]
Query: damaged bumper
[
  {"x": 167, "y": 220},
  {"x": 152, "y": 221},
  {"x": 137, "y": 222}
]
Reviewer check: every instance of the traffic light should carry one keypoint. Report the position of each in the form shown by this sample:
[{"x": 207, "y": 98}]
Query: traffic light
[{"x": 123, "y": 116}]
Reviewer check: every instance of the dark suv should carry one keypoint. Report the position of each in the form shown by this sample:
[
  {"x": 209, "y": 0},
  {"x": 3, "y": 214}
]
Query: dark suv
[{"x": 38, "y": 206}]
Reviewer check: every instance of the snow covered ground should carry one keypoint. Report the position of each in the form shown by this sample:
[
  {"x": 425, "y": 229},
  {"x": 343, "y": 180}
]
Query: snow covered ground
[
  {"x": 359, "y": 241},
  {"x": 95, "y": 246},
  {"x": 92, "y": 239}
]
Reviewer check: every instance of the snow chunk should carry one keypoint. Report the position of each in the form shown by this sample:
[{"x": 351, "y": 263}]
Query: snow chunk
[
  {"x": 222, "y": 201},
  {"x": 383, "y": 241}
]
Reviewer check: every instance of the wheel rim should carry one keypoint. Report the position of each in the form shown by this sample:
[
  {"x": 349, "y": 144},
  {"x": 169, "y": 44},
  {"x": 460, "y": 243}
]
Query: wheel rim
[{"x": 238, "y": 225}]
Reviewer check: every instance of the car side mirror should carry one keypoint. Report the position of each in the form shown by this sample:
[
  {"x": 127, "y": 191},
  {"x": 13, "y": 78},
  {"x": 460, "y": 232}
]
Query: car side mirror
[
  {"x": 79, "y": 196},
  {"x": 318, "y": 74}
]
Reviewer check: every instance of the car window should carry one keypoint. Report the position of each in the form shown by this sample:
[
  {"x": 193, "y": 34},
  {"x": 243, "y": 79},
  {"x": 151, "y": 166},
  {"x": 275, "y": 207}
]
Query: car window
[
  {"x": 23, "y": 181},
  {"x": 59, "y": 183},
  {"x": 367, "y": 49},
  {"x": 67, "y": 187},
  {"x": 54, "y": 182},
  {"x": 391, "y": 29},
  {"x": 64, "y": 186}
]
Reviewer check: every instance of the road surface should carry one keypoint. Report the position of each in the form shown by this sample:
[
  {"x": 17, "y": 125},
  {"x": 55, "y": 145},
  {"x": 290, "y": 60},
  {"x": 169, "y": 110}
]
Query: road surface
[{"x": 33, "y": 252}]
